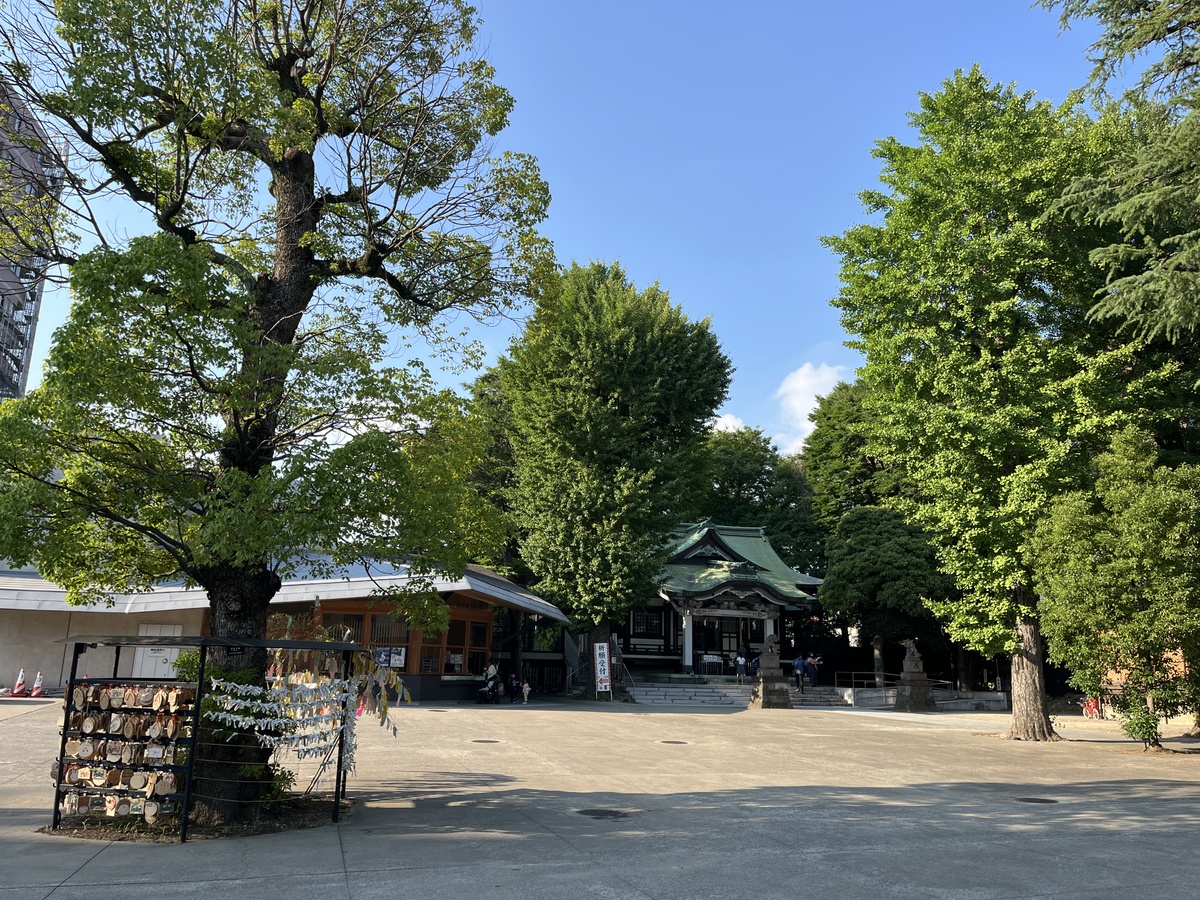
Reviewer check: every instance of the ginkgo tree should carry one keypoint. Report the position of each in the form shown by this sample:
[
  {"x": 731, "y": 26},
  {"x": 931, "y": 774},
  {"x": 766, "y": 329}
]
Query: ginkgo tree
[
  {"x": 989, "y": 389},
  {"x": 611, "y": 391},
  {"x": 307, "y": 184}
]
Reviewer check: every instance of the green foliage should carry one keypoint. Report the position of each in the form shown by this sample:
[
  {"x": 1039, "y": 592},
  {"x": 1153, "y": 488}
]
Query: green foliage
[
  {"x": 1163, "y": 34},
  {"x": 837, "y": 461},
  {"x": 548, "y": 638},
  {"x": 496, "y": 476},
  {"x": 187, "y": 665},
  {"x": 881, "y": 573},
  {"x": 611, "y": 391},
  {"x": 1119, "y": 578},
  {"x": 279, "y": 783},
  {"x": 1151, "y": 195},
  {"x": 221, "y": 405},
  {"x": 283, "y": 783},
  {"x": 969, "y": 298},
  {"x": 749, "y": 483}
]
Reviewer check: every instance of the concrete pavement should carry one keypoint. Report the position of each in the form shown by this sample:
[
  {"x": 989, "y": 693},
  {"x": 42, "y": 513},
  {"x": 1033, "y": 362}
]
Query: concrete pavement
[{"x": 562, "y": 800}]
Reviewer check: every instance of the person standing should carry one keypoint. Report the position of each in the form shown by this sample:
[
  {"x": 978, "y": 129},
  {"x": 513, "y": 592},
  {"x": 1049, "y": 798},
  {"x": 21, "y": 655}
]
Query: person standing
[
  {"x": 740, "y": 667},
  {"x": 799, "y": 667},
  {"x": 512, "y": 688},
  {"x": 811, "y": 664},
  {"x": 525, "y": 690}
]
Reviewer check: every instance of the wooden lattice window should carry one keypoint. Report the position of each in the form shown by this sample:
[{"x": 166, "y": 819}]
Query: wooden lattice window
[{"x": 647, "y": 623}]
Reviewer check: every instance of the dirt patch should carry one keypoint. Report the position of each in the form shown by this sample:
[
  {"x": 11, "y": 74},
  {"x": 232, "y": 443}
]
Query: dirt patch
[{"x": 299, "y": 812}]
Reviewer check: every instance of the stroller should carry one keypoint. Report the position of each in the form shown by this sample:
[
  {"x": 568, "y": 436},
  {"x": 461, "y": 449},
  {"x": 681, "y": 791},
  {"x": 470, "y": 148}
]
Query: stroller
[{"x": 490, "y": 692}]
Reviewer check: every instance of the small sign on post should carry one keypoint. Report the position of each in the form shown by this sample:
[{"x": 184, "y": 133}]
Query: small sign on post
[{"x": 603, "y": 671}]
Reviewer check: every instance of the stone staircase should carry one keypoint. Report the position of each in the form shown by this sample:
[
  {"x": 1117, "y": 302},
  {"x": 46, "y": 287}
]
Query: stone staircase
[
  {"x": 825, "y": 695},
  {"x": 736, "y": 696}
]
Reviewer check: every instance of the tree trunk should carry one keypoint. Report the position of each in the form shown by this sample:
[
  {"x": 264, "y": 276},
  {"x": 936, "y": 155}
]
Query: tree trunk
[
  {"x": 231, "y": 773},
  {"x": 1031, "y": 709},
  {"x": 965, "y": 676},
  {"x": 877, "y": 656}
]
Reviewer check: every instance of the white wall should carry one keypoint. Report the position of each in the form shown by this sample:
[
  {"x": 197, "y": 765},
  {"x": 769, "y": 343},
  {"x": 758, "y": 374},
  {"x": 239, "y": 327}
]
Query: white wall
[{"x": 27, "y": 640}]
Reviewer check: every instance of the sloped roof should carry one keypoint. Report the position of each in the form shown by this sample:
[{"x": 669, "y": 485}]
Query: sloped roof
[
  {"x": 705, "y": 557},
  {"x": 26, "y": 589}
]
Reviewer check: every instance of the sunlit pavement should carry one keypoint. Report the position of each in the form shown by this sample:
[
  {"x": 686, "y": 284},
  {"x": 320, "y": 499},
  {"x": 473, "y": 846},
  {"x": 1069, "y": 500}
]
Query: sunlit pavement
[{"x": 561, "y": 800}]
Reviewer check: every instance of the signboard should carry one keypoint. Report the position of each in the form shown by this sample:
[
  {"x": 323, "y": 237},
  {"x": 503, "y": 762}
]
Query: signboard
[
  {"x": 391, "y": 656},
  {"x": 603, "y": 671}
]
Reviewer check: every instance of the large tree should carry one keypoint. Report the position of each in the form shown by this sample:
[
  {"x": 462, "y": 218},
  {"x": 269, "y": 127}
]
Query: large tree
[
  {"x": 968, "y": 297},
  {"x": 837, "y": 460},
  {"x": 312, "y": 178},
  {"x": 881, "y": 571},
  {"x": 751, "y": 483},
  {"x": 1119, "y": 579},
  {"x": 611, "y": 389},
  {"x": 1153, "y": 264}
]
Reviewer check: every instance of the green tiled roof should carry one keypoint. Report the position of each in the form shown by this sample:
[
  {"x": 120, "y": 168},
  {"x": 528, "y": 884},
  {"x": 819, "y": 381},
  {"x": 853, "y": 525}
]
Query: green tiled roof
[{"x": 753, "y": 561}]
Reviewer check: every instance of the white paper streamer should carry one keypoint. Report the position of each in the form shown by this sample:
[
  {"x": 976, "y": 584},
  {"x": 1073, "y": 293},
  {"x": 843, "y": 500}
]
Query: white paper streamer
[{"x": 302, "y": 719}]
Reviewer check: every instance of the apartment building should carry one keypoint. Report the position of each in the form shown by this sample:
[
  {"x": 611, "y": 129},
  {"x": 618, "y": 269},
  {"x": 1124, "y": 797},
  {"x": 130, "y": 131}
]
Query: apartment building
[{"x": 29, "y": 175}]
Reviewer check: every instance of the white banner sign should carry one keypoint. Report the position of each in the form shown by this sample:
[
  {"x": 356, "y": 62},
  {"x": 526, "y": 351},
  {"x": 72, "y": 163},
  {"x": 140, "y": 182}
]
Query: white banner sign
[{"x": 603, "y": 672}]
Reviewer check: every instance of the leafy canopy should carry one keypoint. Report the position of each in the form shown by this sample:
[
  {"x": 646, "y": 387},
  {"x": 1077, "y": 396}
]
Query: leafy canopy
[
  {"x": 313, "y": 184},
  {"x": 611, "y": 391},
  {"x": 1119, "y": 579},
  {"x": 881, "y": 571},
  {"x": 750, "y": 483},
  {"x": 1150, "y": 196},
  {"x": 968, "y": 299},
  {"x": 837, "y": 460}
]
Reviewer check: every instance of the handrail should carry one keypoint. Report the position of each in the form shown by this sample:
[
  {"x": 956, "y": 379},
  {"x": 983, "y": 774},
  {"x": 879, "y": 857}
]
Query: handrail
[
  {"x": 890, "y": 679},
  {"x": 864, "y": 679},
  {"x": 571, "y": 653},
  {"x": 580, "y": 672}
]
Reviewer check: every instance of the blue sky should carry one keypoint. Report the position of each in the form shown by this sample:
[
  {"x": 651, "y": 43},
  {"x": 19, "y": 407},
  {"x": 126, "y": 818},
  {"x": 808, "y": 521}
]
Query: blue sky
[{"x": 709, "y": 145}]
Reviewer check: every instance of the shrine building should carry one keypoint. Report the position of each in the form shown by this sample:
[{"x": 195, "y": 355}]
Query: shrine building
[{"x": 723, "y": 588}]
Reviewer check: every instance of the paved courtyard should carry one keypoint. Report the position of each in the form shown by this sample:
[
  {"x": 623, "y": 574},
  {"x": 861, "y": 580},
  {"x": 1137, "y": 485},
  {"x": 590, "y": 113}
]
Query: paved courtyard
[{"x": 485, "y": 802}]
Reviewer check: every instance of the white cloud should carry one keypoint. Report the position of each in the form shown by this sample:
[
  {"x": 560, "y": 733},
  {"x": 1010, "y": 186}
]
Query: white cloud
[
  {"x": 727, "y": 422},
  {"x": 797, "y": 397}
]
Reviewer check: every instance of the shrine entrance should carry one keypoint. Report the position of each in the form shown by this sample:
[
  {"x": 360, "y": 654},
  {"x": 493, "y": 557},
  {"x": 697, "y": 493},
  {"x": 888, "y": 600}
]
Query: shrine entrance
[{"x": 723, "y": 589}]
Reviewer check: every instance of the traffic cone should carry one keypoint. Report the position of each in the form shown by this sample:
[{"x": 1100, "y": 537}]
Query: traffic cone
[
  {"x": 37, "y": 687},
  {"x": 19, "y": 688}
]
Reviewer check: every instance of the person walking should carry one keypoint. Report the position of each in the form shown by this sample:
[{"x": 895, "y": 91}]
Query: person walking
[
  {"x": 740, "y": 668},
  {"x": 525, "y": 691},
  {"x": 799, "y": 667}
]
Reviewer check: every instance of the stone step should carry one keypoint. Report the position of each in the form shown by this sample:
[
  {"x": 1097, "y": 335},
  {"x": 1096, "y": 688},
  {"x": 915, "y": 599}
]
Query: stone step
[{"x": 725, "y": 695}]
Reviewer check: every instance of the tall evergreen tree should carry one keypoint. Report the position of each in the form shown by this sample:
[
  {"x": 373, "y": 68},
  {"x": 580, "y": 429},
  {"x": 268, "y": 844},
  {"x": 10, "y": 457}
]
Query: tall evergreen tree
[
  {"x": 840, "y": 467},
  {"x": 881, "y": 571},
  {"x": 1153, "y": 264}
]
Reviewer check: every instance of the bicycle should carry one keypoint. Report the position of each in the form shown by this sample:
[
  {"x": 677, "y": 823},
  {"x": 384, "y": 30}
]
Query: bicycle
[{"x": 1091, "y": 708}]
